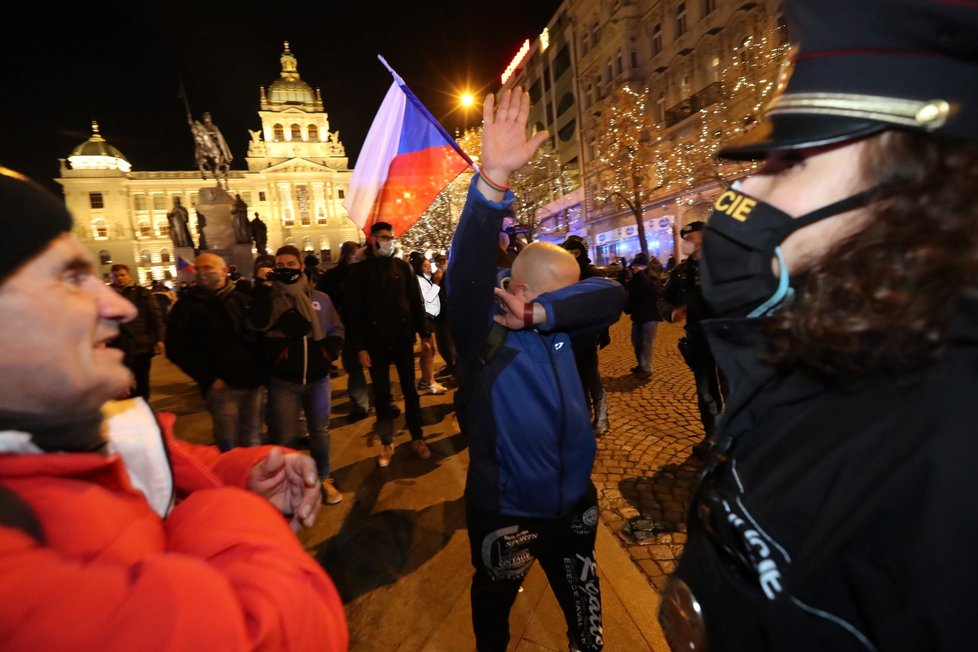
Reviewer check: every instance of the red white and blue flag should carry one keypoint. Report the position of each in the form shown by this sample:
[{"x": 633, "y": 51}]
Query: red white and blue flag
[
  {"x": 185, "y": 266},
  {"x": 406, "y": 160}
]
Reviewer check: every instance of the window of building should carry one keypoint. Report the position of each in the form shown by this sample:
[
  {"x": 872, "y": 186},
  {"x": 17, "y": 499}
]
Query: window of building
[
  {"x": 608, "y": 73},
  {"x": 139, "y": 202},
  {"x": 320, "y": 216},
  {"x": 588, "y": 95},
  {"x": 709, "y": 6},
  {"x": 296, "y": 132},
  {"x": 95, "y": 200},
  {"x": 105, "y": 257},
  {"x": 246, "y": 197},
  {"x": 168, "y": 275},
  {"x": 145, "y": 258},
  {"x": 305, "y": 219},
  {"x": 550, "y": 113},
  {"x": 618, "y": 64},
  {"x": 261, "y": 195},
  {"x": 341, "y": 193},
  {"x": 715, "y": 69},
  {"x": 566, "y": 102},
  {"x": 101, "y": 232},
  {"x": 684, "y": 87},
  {"x": 159, "y": 202},
  {"x": 660, "y": 108},
  {"x": 307, "y": 244},
  {"x": 163, "y": 228},
  {"x": 287, "y": 219},
  {"x": 567, "y": 131},
  {"x": 585, "y": 42},
  {"x": 278, "y": 133},
  {"x": 634, "y": 57},
  {"x": 144, "y": 229},
  {"x": 323, "y": 243},
  {"x": 562, "y": 62},
  {"x": 680, "y": 19},
  {"x": 535, "y": 92},
  {"x": 313, "y": 132},
  {"x": 164, "y": 255},
  {"x": 656, "y": 39}
]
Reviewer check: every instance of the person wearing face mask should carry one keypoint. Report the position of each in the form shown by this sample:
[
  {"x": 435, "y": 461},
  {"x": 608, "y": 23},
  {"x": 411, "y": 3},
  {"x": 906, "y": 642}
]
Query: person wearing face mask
[
  {"x": 838, "y": 510},
  {"x": 682, "y": 301},
  {"x": 207, "y": 336},
  {"x": 334, "y": 283},
  {"x": 303, "y": 333},
  {"x": 386, "y": 312}
]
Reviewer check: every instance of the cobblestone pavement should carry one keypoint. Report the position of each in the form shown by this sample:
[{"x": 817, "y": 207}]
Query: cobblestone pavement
[{"x": 644, "y": 471}]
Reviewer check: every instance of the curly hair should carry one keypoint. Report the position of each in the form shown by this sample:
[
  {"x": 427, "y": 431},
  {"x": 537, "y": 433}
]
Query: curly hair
[{"x": 880, "y": 301}]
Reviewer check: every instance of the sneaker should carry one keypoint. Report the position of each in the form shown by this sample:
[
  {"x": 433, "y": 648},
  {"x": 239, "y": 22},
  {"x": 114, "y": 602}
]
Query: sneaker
[
  {"x": 636, "y": 369},
  {"x": 386, "y": 453},
  {"x": 642, "y": 374},
  {"x": 436, "y": 388},
  {"x": 333, "y": 495},
  {"x": 420, "y": 448}
]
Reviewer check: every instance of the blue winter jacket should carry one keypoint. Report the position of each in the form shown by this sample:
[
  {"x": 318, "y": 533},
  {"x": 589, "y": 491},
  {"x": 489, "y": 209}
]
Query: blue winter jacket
[{"x": 530, "y": 439}]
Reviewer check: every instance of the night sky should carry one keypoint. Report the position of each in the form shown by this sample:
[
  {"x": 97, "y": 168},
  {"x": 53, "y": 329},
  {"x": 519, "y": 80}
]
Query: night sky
[{"x": 120, "y": 63}]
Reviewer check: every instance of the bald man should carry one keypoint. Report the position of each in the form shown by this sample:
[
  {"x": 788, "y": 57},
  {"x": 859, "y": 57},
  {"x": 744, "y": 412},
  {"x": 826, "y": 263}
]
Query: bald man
[
  {"x": 208, "y": 339},
  {"x": 528, "y": 492}
]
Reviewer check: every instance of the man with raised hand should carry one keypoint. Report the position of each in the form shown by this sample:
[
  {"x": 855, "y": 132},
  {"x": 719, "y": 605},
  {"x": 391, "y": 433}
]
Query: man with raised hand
[
  {"x": 114, "y": 535},
  {"x": 528, "y": 492}
]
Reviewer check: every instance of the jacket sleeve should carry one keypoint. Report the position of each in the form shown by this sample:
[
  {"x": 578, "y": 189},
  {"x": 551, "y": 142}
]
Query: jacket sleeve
[
  {"x": 335, "y": 331},
  {"x": 154, "y": 318},
  {"x": 260, "y": 314},
  {"x": 231, "y": 576},
  {"x": 584, "y": 308},
  {"x": 354, "y": 307},
  {"x": 671, "y": 296},
  {"x": 471, "y": 274},
  {"x": 183, "y": 347}
]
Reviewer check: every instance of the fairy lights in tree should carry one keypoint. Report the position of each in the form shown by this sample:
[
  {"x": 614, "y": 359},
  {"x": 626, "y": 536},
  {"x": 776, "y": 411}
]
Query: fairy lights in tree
[{"x": 536, "y": 185}]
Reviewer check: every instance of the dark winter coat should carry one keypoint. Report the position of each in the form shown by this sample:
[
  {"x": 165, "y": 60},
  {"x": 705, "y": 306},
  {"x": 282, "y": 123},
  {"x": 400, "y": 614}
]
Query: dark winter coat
[
  {"x": 140, "y": 335},
  {"x": 383, "y": 304}
]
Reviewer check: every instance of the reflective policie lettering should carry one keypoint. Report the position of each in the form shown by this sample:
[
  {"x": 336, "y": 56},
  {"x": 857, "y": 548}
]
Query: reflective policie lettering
[
  {"x": 735, "y": 205},
  {"x": 768, "y": 574}
]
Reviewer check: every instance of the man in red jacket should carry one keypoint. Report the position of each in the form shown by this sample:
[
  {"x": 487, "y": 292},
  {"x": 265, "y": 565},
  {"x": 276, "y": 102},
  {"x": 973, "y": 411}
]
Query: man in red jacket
[{"x": 114, "y": 535}]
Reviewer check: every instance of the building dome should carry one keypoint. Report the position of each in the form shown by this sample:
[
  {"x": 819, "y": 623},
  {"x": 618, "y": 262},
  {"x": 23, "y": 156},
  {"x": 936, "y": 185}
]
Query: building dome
[
  {"x": 290, "y": 89},
  {"x": 97, "y": 154}
]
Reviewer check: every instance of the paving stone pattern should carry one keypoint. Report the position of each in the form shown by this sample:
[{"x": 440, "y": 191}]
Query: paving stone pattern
[{"x": 644, "y": 470}]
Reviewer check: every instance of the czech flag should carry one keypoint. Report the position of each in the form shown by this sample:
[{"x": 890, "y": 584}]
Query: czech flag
[
  {"x": 185, "y": 266},
  {"x": 406, "y": 160}
]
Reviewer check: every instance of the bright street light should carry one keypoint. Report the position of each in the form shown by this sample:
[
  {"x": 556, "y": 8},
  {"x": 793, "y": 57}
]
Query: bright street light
[{"x": 466, "y": 100}]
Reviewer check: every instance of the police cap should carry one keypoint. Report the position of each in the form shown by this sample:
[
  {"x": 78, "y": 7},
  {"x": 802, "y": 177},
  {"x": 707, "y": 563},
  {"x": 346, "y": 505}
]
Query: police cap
[
  {"x": 691, "y": 228},
  {"x": 864, "y": 66}
]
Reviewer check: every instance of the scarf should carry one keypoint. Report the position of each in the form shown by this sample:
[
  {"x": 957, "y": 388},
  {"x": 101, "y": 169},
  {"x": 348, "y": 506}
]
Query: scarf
[{"x": 296, "y": 296}]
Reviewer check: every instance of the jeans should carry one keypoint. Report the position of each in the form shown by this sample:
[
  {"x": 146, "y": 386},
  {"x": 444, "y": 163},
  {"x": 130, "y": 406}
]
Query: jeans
[
  {"x": 446, "y": 344},
  {"x": 504, "y": 548},
  {"x": 284, "y": 402},
  {"x": 236, "y": 414},
  {"x": 643, "y": 336},
  {"x": 356, "y": 381},
  {"x": 401, "y": 356}
]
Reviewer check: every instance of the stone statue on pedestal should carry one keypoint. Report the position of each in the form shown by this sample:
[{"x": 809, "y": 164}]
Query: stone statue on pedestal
[
  {"x": 179, "y": 219},
  {"x": 239, "y": 221},
  {"x": 260, "y": 233}
]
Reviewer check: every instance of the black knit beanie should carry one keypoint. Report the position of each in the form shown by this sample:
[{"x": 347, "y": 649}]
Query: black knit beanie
[{"x": 30, "y": 218}]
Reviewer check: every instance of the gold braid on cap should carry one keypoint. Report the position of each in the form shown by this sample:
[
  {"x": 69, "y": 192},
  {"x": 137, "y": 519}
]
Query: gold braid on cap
[{"x": 929, "y": 115}]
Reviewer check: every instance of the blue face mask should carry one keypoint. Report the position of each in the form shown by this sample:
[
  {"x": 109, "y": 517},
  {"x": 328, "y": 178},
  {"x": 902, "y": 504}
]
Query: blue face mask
[{"x": 742, "y": 236}]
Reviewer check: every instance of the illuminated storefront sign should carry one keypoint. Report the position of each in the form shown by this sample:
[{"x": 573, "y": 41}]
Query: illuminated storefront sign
[{"x": 517, "y": 60}]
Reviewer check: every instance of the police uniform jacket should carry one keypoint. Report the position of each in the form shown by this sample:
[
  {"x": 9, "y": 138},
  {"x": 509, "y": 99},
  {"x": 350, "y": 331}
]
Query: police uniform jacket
[{"x": 839, "y": 516}]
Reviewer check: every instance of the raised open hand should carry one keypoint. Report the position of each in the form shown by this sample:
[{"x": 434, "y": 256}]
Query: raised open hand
[{"x": 505, "y": 147}]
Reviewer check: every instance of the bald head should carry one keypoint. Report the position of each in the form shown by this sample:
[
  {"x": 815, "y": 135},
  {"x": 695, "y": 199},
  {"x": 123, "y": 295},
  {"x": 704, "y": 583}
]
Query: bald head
[
  {"x": 212, "y": 270},
  {"x": 542, "y": 267}
]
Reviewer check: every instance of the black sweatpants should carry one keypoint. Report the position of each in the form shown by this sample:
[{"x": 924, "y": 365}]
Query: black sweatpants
[{"x": 503, "y": 549}]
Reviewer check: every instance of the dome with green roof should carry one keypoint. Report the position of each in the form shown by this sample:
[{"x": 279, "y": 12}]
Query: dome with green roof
[{"x": 97, "y": 154}]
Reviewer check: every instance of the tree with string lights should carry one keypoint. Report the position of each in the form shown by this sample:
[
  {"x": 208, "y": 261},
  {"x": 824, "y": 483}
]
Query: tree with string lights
[
  {"x": 626, "y": 146},
  {"x": 536, "y": 185}
]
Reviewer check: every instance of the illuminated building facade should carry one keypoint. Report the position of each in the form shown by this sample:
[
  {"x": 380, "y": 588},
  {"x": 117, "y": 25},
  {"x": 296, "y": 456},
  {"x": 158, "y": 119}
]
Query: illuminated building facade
[
  {"x": 297, "y": 175},
  {"x": 675, "y": 48}
]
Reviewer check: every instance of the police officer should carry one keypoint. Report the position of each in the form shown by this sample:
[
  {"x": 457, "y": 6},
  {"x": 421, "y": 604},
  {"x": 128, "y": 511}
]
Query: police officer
[
  {"x": 839, "y": 507},
  {"x": 682, "y": 299}
]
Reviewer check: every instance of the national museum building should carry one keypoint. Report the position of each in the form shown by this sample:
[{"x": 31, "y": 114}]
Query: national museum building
[{"x": 297, "y": 175}]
